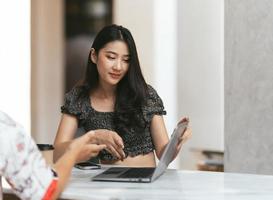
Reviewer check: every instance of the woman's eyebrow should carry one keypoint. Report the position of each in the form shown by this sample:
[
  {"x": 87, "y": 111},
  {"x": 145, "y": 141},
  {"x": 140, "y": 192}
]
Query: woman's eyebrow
[{"x": 112, "y": 52}]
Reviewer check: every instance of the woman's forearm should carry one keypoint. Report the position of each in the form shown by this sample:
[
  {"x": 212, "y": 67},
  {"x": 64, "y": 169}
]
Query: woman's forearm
[
  {"x": 59, "y": 150},
  {"x": 160, "y": 151}
]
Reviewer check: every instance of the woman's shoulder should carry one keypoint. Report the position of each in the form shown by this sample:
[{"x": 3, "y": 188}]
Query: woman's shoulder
[
  {"x": 154, "y": 104},
  {"x": 152, "y": 93},
  {"x": 150, "y": 88},
  {"x": 76, "y": 102},
  {"x": 75, "y": 91},
  {"x": 152, "y": 98},
  {"x": 76, "y": 94}
]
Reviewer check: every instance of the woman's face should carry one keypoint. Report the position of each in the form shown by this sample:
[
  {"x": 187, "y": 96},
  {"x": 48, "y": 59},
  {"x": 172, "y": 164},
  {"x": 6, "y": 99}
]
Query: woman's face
[{"x": 112, "y": 62}]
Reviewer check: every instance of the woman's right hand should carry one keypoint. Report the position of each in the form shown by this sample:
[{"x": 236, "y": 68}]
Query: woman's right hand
[{"x": 114, "y": 143}]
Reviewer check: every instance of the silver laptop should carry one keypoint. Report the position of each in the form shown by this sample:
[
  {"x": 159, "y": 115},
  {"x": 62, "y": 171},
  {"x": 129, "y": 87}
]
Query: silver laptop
[{"x": 145, "y": 174}]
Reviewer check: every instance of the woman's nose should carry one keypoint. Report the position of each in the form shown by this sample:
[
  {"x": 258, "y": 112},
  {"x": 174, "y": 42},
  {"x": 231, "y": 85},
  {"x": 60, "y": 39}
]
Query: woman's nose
[{"x": 118, "y": 65}]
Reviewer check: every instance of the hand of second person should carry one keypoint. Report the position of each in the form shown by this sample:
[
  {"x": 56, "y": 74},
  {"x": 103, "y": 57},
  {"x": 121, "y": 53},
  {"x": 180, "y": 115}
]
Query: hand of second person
[
  {"x": 83, "y": 147},
  {"x": 114, "y": 143}
]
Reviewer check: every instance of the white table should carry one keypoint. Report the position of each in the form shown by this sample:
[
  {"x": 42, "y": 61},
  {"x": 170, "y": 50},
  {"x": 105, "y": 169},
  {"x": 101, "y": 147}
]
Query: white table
[{"x": 174, "y": 184}]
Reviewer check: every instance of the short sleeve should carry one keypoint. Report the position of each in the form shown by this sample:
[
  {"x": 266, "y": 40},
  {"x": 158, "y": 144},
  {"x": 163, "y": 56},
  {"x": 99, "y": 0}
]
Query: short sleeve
[
  {"x": 73, "y": 104},
  {"x": 153, "y": 105}
]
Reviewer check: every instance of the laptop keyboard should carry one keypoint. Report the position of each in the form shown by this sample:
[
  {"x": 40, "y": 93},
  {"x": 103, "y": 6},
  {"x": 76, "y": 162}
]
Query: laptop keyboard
[{"x": 137, "y": 173}]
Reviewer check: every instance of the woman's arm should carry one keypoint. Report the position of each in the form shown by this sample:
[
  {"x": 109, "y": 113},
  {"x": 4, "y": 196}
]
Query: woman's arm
[
  {"x": 184, "y": 137},
  {"x": 160, "y": 136},
  {"x": 65, "y": 134}
]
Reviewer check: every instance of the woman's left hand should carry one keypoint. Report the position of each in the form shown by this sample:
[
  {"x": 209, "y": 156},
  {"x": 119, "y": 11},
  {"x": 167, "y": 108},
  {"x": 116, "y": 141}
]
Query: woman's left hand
[{"x": 186, "y": 136}]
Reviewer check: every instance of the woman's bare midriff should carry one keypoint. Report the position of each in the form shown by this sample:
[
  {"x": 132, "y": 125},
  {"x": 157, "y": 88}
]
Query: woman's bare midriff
[{"x": 147, "y": 160}]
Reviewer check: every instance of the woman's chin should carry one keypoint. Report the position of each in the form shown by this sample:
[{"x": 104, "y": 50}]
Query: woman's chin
[{"x": 113, "y": 81}]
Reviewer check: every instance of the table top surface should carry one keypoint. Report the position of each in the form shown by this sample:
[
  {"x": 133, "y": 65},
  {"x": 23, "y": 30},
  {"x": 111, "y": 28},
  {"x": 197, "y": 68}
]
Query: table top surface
[{"x": 174, "y": 184}]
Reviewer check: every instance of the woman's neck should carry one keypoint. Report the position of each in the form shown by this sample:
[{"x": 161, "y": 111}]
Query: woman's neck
[{"x": 105, "y": 91}]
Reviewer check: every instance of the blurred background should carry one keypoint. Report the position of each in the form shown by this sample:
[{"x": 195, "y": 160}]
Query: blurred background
[{"x": 197, "y": 54}]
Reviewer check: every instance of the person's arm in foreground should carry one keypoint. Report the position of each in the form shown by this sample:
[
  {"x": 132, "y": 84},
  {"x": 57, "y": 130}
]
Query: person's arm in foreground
[
  {"x": 22, "y": 164},
  {"x": 78, "y": 150}
]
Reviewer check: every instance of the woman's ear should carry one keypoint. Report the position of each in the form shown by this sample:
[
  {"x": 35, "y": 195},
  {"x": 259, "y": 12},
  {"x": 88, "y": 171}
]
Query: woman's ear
[{"x": 93, "y": 56}]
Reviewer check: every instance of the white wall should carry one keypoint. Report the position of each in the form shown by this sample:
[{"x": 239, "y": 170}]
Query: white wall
[
  {"x": 15, "y": 60},
  {"x": 138, "y": 17},
  {"x": 165, "y": 59},
  {"x": 200, "y": 73},
  {"x": 47, "y": 68}
]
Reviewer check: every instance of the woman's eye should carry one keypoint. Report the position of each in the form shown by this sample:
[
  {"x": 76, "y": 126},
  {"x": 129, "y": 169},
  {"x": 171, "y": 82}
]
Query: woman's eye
[
  {"x": 127, "y": 61},
  {"x": 110, "y": 57}
]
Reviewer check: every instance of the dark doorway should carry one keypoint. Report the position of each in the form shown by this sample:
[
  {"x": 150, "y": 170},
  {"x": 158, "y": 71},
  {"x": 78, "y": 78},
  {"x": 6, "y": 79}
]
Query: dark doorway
[{"x": 83, "y": 20}]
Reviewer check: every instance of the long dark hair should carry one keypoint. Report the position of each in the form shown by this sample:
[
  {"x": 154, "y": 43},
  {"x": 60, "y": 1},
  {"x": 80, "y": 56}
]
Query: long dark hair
[{"x": 131, "y": 90}]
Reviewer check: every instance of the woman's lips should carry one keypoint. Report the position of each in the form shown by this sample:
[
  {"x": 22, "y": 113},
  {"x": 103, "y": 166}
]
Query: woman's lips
[{"x": 115, "y": 76}]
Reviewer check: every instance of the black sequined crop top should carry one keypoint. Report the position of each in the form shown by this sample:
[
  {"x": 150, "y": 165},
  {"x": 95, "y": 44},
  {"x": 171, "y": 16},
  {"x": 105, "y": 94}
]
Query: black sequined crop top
[{"x": 135, "y": 141}]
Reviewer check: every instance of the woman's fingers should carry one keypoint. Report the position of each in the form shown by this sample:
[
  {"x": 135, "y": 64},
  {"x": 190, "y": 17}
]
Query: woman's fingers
[
  {"x": 113, "y": 151},
  {"x": 184, "y": 119},
  {"x": 94, "y": 149},
  {"x": 117, "y": 144},
  {"x": 91, "y": 137},
  {"x": 121, "y": 153},
  {"x": 116, "y": 151},
  {"x": 97, "y": 147},
  {"x": 111, "y": 139},
  {"x": 118, "y": 140},
  {"x": 179, "y": 145},
  {"x": 183, "y": 139},
  {"x": 187, "y": 135}
]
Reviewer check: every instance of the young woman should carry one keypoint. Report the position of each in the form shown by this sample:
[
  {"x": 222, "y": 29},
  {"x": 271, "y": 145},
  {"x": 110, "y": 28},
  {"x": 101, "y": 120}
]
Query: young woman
[{"x": 116, "y": 104}]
